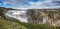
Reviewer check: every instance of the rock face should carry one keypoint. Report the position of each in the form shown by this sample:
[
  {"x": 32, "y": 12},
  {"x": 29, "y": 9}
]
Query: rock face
[{"x": 44, "y": 16}]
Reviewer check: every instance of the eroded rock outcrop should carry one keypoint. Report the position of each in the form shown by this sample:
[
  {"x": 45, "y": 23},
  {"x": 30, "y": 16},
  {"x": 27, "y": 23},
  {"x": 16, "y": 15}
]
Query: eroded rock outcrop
[{"x": 44, "y": 16}]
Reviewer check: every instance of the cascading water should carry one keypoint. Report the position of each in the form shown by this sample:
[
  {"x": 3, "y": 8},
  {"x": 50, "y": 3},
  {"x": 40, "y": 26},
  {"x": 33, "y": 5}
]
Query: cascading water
[{"x": 20, "y": 15}]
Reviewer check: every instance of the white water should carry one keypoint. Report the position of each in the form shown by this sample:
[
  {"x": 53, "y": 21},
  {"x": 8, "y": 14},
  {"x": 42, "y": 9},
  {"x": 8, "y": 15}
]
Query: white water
[{"x": 20, "y": 15}]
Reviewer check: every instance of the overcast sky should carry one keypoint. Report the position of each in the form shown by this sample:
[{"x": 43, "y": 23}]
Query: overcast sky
[{"x": 37, "y": 4}]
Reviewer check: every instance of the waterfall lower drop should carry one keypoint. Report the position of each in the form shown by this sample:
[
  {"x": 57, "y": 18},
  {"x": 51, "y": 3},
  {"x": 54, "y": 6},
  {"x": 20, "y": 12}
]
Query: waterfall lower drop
[{"x": 20, "y": 15}]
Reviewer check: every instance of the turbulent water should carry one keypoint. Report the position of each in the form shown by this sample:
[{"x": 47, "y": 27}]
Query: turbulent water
[{"x": 20, "y": 15}]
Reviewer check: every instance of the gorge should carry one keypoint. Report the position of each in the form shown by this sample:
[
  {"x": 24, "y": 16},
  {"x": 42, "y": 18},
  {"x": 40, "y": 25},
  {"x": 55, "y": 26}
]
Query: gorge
[{"x": 38, "y": 16}]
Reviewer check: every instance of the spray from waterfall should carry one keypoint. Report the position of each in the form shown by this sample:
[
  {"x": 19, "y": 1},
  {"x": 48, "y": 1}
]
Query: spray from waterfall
[{"x": 19, "y": 15}]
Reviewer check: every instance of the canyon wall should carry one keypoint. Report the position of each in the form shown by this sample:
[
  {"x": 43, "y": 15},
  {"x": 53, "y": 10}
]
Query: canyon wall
[{"x": 44, "y": 16}]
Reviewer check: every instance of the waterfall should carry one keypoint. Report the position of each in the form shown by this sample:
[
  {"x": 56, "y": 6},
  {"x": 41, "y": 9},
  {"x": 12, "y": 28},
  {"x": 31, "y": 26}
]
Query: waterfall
[{"x": 19, "y": 15}]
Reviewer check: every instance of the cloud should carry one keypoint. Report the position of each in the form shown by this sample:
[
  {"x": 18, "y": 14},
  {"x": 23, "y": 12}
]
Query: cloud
[
  {"x": 13, "y": 2},
  {"x": 43, "y": 4},
  {"x": 33, "y": 3}
]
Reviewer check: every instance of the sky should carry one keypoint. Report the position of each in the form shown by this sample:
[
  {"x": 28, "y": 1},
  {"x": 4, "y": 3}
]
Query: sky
[{"x": 30, "y": 4}]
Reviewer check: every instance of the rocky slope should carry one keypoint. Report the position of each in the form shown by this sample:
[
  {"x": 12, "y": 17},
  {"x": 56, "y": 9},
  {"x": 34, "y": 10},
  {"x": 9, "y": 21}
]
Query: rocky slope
[{"x": 44, "y": 16}]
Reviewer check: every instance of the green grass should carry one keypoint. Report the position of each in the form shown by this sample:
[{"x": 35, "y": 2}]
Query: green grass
[
  {"x": 16, "y": 24},
  {"x": 38, "y": 26},
  {"x": 6, "y": 24}
]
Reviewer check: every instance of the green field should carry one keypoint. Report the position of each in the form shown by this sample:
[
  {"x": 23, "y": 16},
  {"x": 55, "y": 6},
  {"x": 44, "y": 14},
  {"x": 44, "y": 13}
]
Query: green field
[
  {"x": 11, "y": 24},
  {"x": 6, "y": 24}
]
